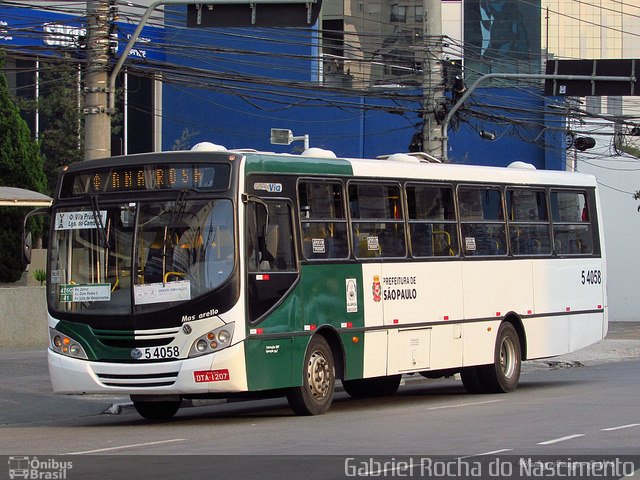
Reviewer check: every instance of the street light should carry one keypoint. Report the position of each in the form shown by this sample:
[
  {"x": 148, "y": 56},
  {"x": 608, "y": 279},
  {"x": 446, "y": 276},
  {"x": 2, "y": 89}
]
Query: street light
[{"x": 282, "y": 136}]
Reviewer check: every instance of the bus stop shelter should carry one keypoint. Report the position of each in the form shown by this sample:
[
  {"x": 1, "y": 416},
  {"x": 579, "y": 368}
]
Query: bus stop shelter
[{"x": 20, "y": 197}]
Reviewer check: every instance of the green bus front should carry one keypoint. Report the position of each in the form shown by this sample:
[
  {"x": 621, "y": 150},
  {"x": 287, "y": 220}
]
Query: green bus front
[{"x": 167, "y": 280}]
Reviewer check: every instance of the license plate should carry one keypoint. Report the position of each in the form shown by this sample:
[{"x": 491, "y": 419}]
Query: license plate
[
  {"x": 202, "y": 376},
  {"x": 155, "y": 353}
]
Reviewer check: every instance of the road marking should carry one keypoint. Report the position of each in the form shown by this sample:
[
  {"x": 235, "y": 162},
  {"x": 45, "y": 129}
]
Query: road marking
[
  {"x": 562, "y": 439},
  {"x": 487, "y": 453},
  {"x": 631, "y": 425},
  {"x": 458, "y": 405},
  {"x": 121, "y": 447}
]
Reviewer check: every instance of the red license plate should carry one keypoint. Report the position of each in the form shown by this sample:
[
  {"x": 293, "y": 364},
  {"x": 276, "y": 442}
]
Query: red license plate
[{"x": 202, "y": 376}]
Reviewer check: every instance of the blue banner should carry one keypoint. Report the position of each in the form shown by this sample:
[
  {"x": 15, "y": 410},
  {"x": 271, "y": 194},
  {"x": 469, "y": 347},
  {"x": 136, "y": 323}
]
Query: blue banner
[{"x": 48, "y": 33}]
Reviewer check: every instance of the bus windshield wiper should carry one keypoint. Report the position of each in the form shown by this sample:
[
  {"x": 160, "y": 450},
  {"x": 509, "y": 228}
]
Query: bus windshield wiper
[
  {"x": 176, "y": 214},
  {"x": 97, "y": 218}
]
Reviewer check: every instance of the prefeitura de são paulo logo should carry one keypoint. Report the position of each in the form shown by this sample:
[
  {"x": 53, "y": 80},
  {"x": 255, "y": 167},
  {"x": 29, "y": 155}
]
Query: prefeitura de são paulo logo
[{"x": 376, "y": 288}]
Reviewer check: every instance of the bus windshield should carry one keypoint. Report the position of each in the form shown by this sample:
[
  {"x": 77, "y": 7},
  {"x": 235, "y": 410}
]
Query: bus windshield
[{"x": 136, "y": 257}]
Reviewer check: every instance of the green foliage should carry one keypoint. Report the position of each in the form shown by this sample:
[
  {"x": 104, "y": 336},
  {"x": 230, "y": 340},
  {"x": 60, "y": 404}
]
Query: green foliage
[
  {"x": 40, "y": 275},
  {"x": 57, "y": 106},
  {"x": 21, "y": 166}
]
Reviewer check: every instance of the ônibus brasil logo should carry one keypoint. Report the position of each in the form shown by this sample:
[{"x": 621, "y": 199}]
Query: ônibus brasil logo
[{"x": 35, "y": 468}]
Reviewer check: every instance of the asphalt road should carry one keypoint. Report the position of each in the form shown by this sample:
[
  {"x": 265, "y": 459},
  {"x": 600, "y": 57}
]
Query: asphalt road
[{"x": 583, "y": 404}]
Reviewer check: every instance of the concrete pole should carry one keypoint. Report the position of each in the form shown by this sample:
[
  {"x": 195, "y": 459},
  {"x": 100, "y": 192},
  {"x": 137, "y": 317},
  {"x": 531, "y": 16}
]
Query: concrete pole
[
  {"x": 97, "y": 125},
  {"x": 432, "y": 80}
]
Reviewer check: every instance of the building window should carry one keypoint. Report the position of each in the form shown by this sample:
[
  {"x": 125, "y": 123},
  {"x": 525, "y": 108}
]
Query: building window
[{"x": 398, "y": 14}]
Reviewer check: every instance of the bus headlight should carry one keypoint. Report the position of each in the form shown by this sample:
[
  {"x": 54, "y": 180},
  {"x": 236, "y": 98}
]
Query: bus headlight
[
  {"x": 212, "y": 341},
  {"x": 65, "y": 345}
]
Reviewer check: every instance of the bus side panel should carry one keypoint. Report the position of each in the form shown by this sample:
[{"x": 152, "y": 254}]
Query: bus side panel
[
  {"x": 270, "y": 355},
  {"x": 375, "y": 345},
  {"x": 570, "y": 291},
  {"x": 269, "y": 363},
  {"x": 320, "y": 299},
  {"x": 547, "y": 336},
  {"x": 491, "y": 290},
  {"x": 417, "y": 293}
]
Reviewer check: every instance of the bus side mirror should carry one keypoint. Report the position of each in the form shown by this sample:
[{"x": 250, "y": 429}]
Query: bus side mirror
[
  {"x": 27, "y": 240},
  {"x": 27, "y": 246}
]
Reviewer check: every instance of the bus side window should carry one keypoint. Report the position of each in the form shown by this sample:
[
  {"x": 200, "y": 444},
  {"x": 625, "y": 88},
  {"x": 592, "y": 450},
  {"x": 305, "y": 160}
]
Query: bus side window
[
  {"x": 323, "y": 222},
  {"x": 269, "y": 245},
  {"x": 377, "y": 222},
  {"x": 529, "y": 231},
  {"x": 482, "y": 221},
  {"x": 572, "y": 231},
  {"x": 432, "y": 220}
]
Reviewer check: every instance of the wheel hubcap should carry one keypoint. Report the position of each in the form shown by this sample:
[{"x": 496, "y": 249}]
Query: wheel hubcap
[
  {"x": 319, "y": 375},
  {"x": 508, "y": 357}
]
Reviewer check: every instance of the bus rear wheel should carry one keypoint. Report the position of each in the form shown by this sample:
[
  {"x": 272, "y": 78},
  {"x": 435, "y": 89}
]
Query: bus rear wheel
[
  {"x": 372, "y": 387},
  {"x": 471, "y": 379},
  {"x": 162, "y": 410},
  {"x": 315, "y": 395},
  {"x": 503, "y": 375}
]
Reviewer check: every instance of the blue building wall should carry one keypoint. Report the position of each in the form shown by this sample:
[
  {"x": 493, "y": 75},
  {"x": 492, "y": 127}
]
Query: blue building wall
[
  {"x": 238, "y": 111},
  {"x": 231, "y": 107},
  {"x": 259, "y": 79}
]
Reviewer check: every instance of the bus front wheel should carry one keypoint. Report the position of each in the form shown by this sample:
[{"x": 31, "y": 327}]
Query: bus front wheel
[
  {"x": 156, "y": 410},
  {"x": 315, "y": 395}
]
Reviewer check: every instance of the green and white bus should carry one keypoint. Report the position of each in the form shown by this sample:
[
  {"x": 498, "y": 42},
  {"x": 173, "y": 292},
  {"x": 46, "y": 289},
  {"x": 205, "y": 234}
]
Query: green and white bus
[{"x": 212, "y": 274}]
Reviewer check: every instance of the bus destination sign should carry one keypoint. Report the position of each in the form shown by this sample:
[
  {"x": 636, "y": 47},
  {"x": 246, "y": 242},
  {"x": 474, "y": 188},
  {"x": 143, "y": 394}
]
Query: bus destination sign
[{"x": 210, "y": 177}]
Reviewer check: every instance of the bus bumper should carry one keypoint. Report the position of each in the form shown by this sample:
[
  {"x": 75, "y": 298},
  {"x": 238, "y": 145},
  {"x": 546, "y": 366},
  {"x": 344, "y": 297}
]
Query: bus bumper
[{"x": 219, "y": 372}]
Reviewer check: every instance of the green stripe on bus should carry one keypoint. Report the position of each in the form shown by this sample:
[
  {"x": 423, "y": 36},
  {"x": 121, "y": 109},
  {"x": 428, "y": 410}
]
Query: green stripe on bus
[
  {"x": 316, "y": 306},
  {"x": 90, "y": 341},
  {"x": 260, "y": 163}
]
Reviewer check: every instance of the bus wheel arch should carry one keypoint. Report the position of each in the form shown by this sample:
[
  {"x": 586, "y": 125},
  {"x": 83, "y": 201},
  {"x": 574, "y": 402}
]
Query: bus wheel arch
[
  {"x": 516, "y": 321},
  {"x": 337, "y": 349},
  {"x": 315, "y": 395}
]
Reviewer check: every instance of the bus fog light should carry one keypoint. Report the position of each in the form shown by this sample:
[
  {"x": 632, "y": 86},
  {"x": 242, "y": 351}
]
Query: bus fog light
[
  {"x": 57, "y": 341},
  {"x": 201, "y": 345}
]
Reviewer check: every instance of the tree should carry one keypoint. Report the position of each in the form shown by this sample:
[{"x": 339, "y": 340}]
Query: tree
[
  {"x": 61, "y": 124},
  {"x": 21, "y": 165}
]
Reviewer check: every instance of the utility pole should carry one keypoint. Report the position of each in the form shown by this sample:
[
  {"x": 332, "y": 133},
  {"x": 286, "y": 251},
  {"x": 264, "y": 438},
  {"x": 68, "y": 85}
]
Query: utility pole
[
  {"x": 97, "y": 125},
  {"x": 432, "y": 78}
]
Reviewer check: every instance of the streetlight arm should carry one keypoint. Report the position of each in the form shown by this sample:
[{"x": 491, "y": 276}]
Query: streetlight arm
[{"x": 520, "y": 76}]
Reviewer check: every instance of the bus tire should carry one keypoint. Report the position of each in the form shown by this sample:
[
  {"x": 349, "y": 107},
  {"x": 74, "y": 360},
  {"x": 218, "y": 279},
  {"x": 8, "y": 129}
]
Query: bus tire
[
  {"x": 471, "y": 380},
  {"x": 315, "y": 395},
  {"x": 157, "y": 410},
  {"x": 504, "y": 374},
  {"x": 372, "y": 387}
]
